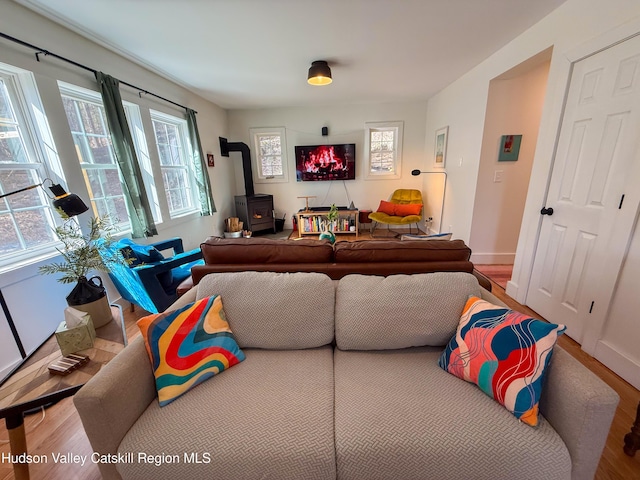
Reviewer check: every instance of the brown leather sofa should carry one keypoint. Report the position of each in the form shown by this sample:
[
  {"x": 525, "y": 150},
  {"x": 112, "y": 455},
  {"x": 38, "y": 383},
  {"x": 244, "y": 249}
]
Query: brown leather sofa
[{"x": 371, "y": 257}]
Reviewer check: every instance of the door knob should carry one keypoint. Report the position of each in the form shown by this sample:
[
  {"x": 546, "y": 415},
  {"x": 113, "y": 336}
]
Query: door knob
[{"x": 546, "y": 211}]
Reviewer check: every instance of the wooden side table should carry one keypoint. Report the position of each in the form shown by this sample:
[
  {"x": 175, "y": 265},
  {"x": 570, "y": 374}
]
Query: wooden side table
[
  {"x": 32, "y": 386},
  {"x": 632, "y": 439}
]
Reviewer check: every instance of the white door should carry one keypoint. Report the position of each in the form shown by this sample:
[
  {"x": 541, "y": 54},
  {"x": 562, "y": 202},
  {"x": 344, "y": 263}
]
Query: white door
[{"x": 582, "y": 244}]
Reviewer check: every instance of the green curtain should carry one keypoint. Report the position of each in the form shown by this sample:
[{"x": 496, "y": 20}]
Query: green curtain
[
  {"x": 207, "y": 206},
  {"x": 142, "y": 224}
]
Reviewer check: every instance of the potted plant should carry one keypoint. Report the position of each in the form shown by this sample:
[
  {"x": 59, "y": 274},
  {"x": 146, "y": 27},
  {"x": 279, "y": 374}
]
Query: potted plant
[
  {"x": 82, "y": 254},
  {"x": 330, "y": 225}
]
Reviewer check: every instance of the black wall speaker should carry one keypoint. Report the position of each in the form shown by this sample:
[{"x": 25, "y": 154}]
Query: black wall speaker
[{"x": 325, "y": 131}]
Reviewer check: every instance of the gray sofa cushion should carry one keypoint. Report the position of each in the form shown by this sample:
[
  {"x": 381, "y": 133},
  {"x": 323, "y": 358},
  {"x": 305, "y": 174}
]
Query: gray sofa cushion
[
  {"x": 399, "y": 311},
  {"x": 276, "y": 412},
  {"x": 275, "y": 310},
  {"x": 399, "y": 415}
]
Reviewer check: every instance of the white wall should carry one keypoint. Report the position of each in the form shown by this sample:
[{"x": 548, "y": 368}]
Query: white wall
[
  {"x": 576, "y": 29},
  {"x": 32, "y": 298},
  {"x": 514, "y": 106},
  {"x": 618, "y": 347},
  {"x": 462, "y": 106},
  {"x": 346, "y": 125}
]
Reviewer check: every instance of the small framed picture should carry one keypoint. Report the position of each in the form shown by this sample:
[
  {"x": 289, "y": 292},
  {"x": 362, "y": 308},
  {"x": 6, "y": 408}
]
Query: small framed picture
[
  {"x": 441, "y": 147},
  {"x": 210, "y": 161},
  {"x": 509, "y": 148}
]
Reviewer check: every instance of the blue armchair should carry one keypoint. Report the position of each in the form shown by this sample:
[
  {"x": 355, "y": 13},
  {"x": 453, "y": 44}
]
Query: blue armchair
[{"x": 150, "y": 281}]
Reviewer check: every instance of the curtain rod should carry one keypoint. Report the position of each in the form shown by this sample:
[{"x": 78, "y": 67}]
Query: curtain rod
[{"x": 41, "y": 51}]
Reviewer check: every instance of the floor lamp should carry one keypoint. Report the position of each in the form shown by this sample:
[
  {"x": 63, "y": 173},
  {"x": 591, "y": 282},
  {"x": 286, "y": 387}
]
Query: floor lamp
[
  {"x": 68, "y": 205},
  {"x": 416, "y": 172}
]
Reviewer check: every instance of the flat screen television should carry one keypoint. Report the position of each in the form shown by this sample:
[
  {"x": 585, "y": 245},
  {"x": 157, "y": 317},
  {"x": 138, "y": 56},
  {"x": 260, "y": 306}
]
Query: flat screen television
[{"x": 326, "y": 162}]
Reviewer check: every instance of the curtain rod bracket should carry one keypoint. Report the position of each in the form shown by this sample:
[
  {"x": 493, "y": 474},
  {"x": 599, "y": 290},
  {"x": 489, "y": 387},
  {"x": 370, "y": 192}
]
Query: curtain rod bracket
[{"x": 41, "y": 52}]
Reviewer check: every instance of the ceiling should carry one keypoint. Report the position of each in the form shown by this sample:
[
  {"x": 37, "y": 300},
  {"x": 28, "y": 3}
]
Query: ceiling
[{"x": 256, "y": 53}]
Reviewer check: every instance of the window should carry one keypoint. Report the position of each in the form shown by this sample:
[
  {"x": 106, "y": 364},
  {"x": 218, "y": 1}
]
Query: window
[
  {"x": 88, "y": 125},
  {"x": 26, "y": 219},
  {"x": 177, "y": 172},
  {"x": 132, "y": 112},
  {"x": 383, "y": 150},
  {"x": 270, "y": 158}
]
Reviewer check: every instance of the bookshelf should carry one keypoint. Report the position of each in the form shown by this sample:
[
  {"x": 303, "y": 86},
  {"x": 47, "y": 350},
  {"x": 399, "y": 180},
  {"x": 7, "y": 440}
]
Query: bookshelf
[{"x": 312, "y": 222}]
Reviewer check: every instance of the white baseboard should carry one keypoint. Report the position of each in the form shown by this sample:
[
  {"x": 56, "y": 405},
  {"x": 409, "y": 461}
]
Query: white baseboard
[
  {"x": 5, "y": 371},
  {"x": 512, "y": 289},
  {"x": 626, "y": 367},
  {"x": 493, "y": 258}
]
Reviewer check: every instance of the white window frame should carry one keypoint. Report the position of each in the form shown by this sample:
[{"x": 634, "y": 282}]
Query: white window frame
[
  {"x": 41, "y": 152},
  {"x": 397, "y": 129},
  {"x": 90, "y": 96},
  {"x": 258, "y": 174},
  {"x": 134, "y": 118},
  {"x": 186, "y": 154}
]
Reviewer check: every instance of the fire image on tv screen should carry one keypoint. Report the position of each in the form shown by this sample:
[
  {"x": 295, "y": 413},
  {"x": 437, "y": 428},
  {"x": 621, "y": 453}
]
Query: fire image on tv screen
[{"x": 326, "y": 162}]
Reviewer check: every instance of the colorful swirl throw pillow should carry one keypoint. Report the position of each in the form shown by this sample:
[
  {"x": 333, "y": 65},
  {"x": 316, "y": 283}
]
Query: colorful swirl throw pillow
[
  {"x": 189, "y": 345},
  {"x": 503, "y": 352}
]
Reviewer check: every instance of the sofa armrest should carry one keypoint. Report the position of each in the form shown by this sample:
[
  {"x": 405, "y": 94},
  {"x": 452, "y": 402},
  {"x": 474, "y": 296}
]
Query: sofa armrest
[
  {"x": 175, "y": 243},
  {"x": 483, "y": 280},
  {"x": 185, "y": 286},
  {"x": 491, "y": 298},
  {"x": 580, "y": 407},
  {"x": 148, "y": 275},
  {"x": 113, "y": 400},
  {"x": 146, "y": 271}
]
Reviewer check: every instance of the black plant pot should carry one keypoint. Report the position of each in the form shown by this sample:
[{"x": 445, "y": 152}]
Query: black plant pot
[{"x": 90, "y": 296}]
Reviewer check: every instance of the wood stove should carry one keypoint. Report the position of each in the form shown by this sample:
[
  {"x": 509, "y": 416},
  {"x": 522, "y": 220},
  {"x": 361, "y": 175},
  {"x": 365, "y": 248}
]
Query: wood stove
[{"x": 256, "y": 212}]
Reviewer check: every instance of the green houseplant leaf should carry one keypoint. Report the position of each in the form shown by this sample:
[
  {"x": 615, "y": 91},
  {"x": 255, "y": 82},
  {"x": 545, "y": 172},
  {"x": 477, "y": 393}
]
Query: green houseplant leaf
[{"x": 82, "y": 253}]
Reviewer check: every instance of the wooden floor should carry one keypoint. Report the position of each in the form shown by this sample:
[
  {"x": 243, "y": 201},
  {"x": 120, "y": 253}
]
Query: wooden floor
[
  {"x": 61, "y": 430},
  {"x": 500, "y": 274}
]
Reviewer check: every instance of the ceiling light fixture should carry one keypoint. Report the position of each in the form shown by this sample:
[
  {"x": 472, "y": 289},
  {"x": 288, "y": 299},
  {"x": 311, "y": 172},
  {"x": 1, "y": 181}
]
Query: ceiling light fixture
[{"x": 319, "y": 73}]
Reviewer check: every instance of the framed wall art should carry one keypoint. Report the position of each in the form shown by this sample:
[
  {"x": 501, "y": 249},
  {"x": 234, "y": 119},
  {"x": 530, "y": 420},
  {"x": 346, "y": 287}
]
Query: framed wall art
[
  {"x": 210, "y": 161},
  {"x": 441, "y": 147},
  {"x": 509, "y": 148}
]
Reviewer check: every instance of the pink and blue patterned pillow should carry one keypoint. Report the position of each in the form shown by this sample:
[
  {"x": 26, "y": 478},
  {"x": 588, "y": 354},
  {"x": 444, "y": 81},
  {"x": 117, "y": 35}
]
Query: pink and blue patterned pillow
[
  {"x": 503, "y": 352},
  {"x": 189, "y": 345}
]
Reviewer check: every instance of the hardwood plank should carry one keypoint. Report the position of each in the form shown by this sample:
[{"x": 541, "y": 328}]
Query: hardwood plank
[{"x": 500, "y": 274}]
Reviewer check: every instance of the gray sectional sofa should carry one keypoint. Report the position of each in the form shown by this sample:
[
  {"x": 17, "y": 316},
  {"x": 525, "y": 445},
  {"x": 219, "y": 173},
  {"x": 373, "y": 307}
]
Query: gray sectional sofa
[{"x": 340, "y": 381}]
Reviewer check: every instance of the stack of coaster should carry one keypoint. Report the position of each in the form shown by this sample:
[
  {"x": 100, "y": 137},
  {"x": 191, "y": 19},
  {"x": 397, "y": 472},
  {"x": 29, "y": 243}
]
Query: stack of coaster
[{"x": 66, "y": 365}]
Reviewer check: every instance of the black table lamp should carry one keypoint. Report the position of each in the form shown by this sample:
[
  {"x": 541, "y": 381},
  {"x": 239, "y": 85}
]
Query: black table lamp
[{"x": 69, "y": 204}]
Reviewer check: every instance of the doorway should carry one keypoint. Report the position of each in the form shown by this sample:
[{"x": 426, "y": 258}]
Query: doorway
[
  {"x": 593, "y": 192},
  {"x": 514, "y": 107}
]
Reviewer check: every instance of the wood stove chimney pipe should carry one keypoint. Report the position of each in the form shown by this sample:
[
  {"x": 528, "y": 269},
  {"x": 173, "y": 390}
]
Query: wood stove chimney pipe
[{"x": 226, "y": 147}]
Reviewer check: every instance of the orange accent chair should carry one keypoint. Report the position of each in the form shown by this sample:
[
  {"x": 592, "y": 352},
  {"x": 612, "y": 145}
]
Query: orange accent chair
[{"x": 403, "y": 208}]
